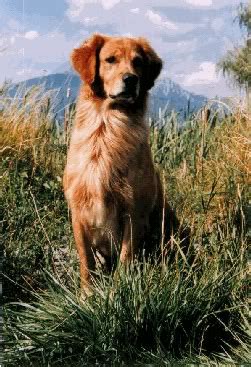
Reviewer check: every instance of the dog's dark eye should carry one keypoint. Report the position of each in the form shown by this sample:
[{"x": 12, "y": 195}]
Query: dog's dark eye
[
  {"x": 137, "y": 62},
  {"x": 111, "y": 59}
]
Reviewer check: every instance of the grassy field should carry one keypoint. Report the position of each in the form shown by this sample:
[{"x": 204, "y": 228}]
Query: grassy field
[{"x": 190, "y": 307}]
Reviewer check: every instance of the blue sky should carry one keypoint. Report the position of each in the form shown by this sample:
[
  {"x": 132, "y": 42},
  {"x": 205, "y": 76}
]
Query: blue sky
[{"x": 36, "y": 37}]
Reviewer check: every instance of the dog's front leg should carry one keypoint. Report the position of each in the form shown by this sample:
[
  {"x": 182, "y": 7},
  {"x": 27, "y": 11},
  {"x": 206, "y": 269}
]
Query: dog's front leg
[
  {"x": 133, "y": 232},
  {"x": 85, "y": 252},
  {"x": 126, "y": 252}
]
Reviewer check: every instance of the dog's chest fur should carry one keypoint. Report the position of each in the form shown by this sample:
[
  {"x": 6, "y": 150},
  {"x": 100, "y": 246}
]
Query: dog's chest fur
[{"x": 97, "y": 176}]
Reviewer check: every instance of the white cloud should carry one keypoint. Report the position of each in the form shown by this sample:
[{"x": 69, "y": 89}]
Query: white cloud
[
  {"x": 108, "y": 4},
  {"x": 3, "y": 41},
  {"x": 179, "y": 71},
  {"x": 157, "y": 19},
  {"x": 24, "y": 59},
  {"x": 134, "y": 10},
  {"x": 213, "y": 4},
  {"x": 76, "y": 6},
  {"x": 181, "y": 47},
  {"x": 200, "y": 2},
  {"x": 25, "y": 72},
  {"x": 31, "y": 35},
  {"x": 205, "y": 75},
  {"x": 217, "y": 24},
  {"x": 90, "y": 20},
  {"x": 177, "y": 40},
  {"x": 51, "y": 47},
  {"x": 152, "y": 24}
]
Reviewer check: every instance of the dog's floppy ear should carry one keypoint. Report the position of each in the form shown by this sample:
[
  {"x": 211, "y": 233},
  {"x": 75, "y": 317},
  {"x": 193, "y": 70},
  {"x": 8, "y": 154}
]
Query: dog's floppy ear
[
  {"x": 85, "y": 58},
  {"x": 153, "y": 63}
]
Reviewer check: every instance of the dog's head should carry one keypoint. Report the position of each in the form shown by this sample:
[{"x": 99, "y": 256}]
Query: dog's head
[{"x": 119, "y": 68}]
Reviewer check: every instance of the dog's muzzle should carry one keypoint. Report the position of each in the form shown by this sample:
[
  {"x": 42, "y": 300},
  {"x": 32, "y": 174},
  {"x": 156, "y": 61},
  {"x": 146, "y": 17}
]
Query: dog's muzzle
[{"x": 130, "y": 89}]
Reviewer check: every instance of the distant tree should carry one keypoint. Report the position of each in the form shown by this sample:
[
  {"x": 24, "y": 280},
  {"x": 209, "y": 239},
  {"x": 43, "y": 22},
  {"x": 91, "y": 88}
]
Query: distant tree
[{"x": 236, "y": 64}]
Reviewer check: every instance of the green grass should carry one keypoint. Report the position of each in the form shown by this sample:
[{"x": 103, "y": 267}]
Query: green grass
[{"x": 190, "y": 307}]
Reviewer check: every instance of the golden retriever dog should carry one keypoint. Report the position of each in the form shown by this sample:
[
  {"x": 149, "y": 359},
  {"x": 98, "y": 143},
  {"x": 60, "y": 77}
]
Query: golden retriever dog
[{"x": 110, "y": 181}]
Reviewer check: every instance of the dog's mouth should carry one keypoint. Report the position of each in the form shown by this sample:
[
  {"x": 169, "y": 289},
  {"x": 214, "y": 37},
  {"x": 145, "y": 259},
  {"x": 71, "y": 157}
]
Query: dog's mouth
[{"x": 124, "y": 97}]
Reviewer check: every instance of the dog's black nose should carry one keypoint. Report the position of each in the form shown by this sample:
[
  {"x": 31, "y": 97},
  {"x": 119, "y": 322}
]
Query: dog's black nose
[{"x": 130, "y": 80}]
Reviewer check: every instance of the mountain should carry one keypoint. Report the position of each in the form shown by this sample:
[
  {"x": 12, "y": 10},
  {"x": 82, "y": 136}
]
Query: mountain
[{"x": 165, "y": 95}]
